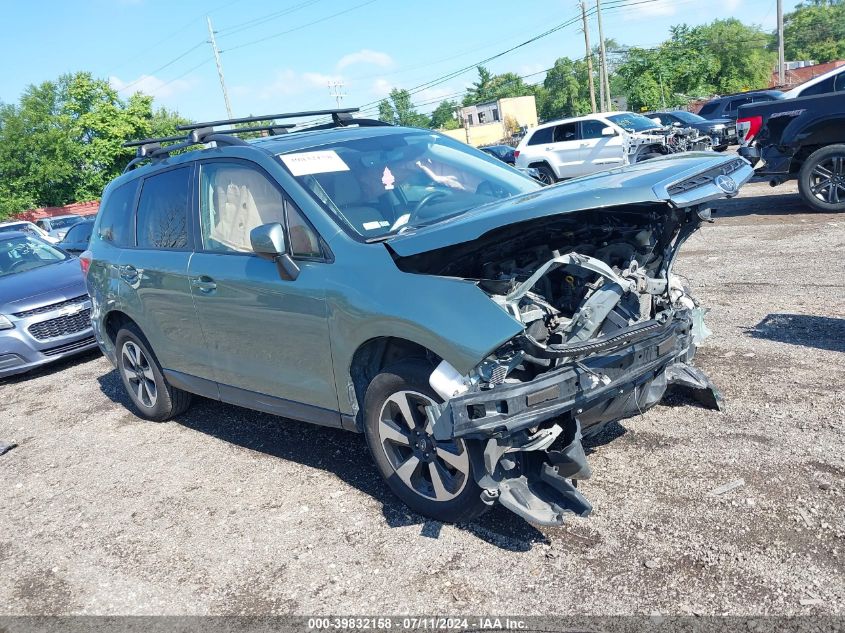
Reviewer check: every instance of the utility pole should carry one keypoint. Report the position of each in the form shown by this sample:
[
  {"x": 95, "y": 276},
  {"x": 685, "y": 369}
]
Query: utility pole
[
  {"x": 781, "y": 57},
  {"x": 213, "y": 43},
  {"x": 603, "y": 53},
  {"x": 336, "y": 91},
  {"x": 589, "y": 55}
]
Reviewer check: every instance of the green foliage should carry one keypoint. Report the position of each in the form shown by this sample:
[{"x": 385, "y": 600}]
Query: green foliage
[
  {"x": 63, "y": 141},
  {"x": 721, "y": 57},
  {"x": 566, "y": 90},
  {"x": 815, "y": 30},
  {"x": 491, "y": 87},
  {"x": 399, "y": 110},
  {"x": 443, "y": 117}
]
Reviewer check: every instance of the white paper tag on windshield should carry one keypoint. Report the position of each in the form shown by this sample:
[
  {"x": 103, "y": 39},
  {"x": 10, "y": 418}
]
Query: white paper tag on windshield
[{"x": 306, "y": 163}]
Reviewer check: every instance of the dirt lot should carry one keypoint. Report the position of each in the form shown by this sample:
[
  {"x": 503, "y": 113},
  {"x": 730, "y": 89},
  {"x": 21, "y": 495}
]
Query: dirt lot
[{"x": 230, "y": 511}]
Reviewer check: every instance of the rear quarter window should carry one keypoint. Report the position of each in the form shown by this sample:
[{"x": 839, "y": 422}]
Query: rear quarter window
[
  {"x": 117, "y": 218},
  {"x": 542, "y": 136}
]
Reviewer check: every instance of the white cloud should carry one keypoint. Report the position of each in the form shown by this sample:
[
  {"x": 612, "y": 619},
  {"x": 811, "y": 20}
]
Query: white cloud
[
  {"x": 365, "y": 56},
  {"x": 286, "y": 83},
  {"x": 381, "y": 87},
  {"x": 153, "y": 86}
]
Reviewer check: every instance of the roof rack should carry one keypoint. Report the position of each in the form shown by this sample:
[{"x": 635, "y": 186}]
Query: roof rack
[{"x": 199, "y": 133}]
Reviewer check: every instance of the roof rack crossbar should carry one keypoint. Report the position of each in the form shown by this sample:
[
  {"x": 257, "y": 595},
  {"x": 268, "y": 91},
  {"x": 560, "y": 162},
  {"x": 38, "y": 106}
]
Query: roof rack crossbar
[
  {"x": 267, "y": 117},
  {"x": 147, "y": 141},
  {"x": 274, "y": 129}
]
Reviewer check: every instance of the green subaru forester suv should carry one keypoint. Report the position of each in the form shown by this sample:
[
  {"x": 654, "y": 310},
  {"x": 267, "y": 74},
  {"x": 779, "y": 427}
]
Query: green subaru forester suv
[{"x": 473, "y": 324}]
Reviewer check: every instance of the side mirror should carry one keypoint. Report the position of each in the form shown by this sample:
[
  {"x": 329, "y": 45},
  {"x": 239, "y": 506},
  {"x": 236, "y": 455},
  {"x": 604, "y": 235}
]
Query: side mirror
[
  {"x": 268, "y": 242},
  {"x": 676, "y": 124},
  {"x": 657, "y": 120},
  {"x": 608, "y": 131}
]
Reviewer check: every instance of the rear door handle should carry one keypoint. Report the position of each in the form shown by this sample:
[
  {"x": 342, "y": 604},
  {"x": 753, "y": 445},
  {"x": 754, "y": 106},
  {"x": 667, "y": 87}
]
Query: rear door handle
[{"x": 204, "y": 284}]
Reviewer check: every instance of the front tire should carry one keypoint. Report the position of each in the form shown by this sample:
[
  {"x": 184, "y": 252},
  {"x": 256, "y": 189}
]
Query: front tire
[
  {"x": 821, "y": 180},
  {"x": 433, "y": 478},
  {"x": 152, "y": 396},
  {"x": 545, "y": 175}
]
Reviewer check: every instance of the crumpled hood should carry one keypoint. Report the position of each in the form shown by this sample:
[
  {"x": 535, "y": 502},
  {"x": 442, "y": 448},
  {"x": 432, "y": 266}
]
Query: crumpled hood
[
  {"x": 646, "y": 182},
  {"x": 41, "y": 286}
]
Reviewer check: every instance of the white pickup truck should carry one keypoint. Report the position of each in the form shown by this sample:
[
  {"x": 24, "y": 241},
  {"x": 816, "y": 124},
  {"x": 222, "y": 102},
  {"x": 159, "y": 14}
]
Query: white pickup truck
[{"x": 584, "y": 145}]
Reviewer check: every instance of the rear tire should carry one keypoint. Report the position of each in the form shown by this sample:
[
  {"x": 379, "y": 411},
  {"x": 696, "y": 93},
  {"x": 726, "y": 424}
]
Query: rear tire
[
  {"x": 152, "y": 396},
  {"x": 821, "y": 180},
  {"x": 433, "y": 478}
]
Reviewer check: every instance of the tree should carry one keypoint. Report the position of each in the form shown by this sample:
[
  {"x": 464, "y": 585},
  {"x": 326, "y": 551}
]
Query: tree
[
  {"x": 491, "y": 87},
  {"x": 63, "y": 142},
  {"x": 567, "y": 90},
  {"x": 815, "y": 30},
  {"x": 399, "y": 110},
  {"x": 721, "y": 57},
  {"x": 443, "y": 117}
]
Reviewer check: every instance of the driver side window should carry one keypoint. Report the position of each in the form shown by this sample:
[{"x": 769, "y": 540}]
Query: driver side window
[{"x": 235, "y": 198}]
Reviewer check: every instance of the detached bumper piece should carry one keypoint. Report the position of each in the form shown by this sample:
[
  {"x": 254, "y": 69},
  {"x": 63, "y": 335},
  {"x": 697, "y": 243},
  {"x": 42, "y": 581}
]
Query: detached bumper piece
[{"x": 525, "y": 438}]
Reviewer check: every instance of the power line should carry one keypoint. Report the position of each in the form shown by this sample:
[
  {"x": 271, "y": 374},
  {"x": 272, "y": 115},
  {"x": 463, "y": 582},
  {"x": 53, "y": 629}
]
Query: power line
[
  {"x": 163, "y": 66},
  {"x": 297, "y": 28},
  {"x": 269, "y": 17}
]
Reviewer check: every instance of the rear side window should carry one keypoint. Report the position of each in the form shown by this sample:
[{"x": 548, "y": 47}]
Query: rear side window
[
  {"x": 823, "y": 87},
  {"x": 541, "y": 136},
  {"x": 709, "y": 108},
  {"x": 117, "y": 217},
  {"x": 566, "y": 132},
  {"x": 163, "y": 210}
]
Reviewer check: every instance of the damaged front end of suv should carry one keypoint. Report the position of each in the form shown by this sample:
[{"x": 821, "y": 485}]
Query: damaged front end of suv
[{"x": 605, "y": 324}]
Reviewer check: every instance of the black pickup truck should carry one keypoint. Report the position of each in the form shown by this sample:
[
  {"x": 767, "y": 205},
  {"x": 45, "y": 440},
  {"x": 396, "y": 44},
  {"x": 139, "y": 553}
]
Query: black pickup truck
[{"x": 800, "y": 138}]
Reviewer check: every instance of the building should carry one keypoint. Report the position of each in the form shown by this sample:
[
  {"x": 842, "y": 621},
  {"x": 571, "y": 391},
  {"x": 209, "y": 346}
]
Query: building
[
  {"x": 484, "y": 123},
  {"x": 76, "y": 208},
  {"x": 798, "y": 72}
]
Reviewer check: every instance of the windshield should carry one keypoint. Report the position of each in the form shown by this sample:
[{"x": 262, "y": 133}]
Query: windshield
[
  {"x": 63, "y": 223},
  {"x": 382, "y": 184},
  {"x": 633, "y": 122},
  {"x": 21, "y": 253}
]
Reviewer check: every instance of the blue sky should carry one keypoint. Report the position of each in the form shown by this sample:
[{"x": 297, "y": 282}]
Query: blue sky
[{"x": 279, "y": 56}]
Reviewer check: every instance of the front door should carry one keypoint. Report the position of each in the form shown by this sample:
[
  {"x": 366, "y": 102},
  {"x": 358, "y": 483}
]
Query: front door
[
  {"x": 268, "y": 336},
  {"x": 600, "y": 152}
]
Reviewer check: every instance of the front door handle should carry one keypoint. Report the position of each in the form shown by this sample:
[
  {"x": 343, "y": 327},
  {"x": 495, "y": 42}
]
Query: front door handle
[{"x": 204, "y": 284}]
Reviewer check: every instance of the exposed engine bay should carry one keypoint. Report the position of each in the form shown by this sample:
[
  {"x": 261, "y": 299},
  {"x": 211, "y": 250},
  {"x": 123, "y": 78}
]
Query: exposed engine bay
[{"x": 607, "y": 327}]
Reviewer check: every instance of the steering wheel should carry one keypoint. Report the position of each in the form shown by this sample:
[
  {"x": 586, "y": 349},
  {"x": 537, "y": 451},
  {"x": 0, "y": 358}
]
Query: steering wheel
[
  {"x": 19, "y": 262},
  {"x": 426, "y": 199}
]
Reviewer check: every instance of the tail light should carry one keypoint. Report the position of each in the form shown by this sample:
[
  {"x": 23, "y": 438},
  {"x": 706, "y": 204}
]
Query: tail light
[
  {"x": 748, "y": 127},
  {"x": 85, "y": 262},
  {"x": 516, "y": 153}
]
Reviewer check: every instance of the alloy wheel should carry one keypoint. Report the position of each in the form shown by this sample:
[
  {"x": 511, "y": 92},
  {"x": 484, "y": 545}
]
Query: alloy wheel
[
  {"x": 435, "y": 470},
  {"x": 827, "y": 180},
  {"x": 139, "y": 374}
]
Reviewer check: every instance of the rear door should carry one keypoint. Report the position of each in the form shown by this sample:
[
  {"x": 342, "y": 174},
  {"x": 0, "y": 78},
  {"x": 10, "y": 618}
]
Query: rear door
[
  {"x": 267, "y": 335},
  {"x": 155, "y": 288},
  {"x": 567, "y": 155},
  {"x": 600, "y": 152}
]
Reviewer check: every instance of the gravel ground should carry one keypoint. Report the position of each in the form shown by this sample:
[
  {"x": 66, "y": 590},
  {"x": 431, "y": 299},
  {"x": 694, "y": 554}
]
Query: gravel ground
[{"x": 227, "y": 511}]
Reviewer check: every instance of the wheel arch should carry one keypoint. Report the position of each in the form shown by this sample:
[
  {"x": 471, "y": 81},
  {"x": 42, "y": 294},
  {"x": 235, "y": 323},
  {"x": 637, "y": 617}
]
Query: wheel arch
[
  {"x": 114, "y": 321},
  {"x": 376, "y": 354}
]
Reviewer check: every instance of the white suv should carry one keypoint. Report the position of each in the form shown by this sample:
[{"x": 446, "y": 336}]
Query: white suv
[{"x": 587, "y": 144}]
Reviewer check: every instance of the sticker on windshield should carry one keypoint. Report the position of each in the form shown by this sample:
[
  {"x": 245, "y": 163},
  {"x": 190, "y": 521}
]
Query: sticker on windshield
[{"x": 307, "y": 163}]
